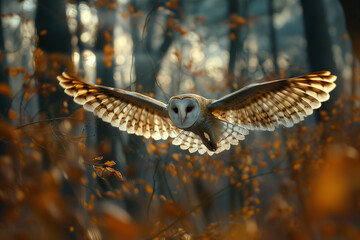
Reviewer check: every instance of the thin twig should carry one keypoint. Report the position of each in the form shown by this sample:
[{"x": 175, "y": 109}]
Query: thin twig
[
  {"x": 42, "y": 121},
  {"x": 153, "y": 186},
  {"x": 210, "y": 198}
]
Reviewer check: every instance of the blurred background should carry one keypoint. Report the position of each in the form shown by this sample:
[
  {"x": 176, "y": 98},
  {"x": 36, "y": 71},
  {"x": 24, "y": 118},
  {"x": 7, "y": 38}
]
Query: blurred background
[{"x": 66, "y": 175}]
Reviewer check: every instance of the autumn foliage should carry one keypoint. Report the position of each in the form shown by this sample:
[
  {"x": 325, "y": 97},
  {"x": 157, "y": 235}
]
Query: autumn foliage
[{"x": 297, "y": 183}]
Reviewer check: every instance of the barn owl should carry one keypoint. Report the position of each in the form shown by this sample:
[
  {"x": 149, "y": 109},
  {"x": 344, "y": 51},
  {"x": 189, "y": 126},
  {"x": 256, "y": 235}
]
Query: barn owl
[{"x": 200, "y": 124}]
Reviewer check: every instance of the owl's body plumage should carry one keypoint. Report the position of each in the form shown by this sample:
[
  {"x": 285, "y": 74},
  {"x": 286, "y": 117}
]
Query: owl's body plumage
[{"x": 200, "y": 124}]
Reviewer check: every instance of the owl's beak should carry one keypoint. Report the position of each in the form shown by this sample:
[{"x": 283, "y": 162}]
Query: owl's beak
[{"x": 182, "y": 119}]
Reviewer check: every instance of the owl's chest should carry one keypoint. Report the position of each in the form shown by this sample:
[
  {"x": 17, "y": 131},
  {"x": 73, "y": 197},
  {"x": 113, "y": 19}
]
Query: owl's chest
[{"x": 204, "y": 128}]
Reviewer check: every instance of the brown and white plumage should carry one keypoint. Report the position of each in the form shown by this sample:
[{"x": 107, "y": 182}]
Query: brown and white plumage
[
  {"x": 129, "y": 111},
  {"x": 200, "y": 124}
]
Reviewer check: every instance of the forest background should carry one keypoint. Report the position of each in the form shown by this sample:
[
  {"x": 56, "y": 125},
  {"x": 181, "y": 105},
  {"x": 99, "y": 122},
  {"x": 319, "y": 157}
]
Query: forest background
[{"x": 66, "y": 175}]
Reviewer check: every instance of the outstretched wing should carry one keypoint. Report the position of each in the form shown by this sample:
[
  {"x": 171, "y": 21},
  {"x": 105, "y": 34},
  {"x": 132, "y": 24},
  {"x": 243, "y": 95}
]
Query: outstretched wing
[
  {"x": 129, "y": 111},
  {"x": 265, "y": 106}
]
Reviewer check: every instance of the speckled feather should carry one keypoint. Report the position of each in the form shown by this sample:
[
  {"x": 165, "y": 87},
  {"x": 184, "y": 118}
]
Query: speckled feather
[
  {"x": 262, "y": 106},
  {"x": 267, "y": 105},
  {"x": 128, "y": 111},
  {"x": 230, "y": 135}
]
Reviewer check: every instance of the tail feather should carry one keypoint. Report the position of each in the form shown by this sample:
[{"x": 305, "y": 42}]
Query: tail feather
[{"x": 226, "y": 134}]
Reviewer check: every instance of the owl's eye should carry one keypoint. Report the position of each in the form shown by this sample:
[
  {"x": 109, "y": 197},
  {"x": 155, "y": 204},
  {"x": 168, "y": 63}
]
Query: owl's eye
[
  {"x": 175, "y": 109},
  {"x": 189, "y": 108}
]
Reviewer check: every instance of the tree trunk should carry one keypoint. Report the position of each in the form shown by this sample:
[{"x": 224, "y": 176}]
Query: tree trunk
[
  {"x": 147, "y": 62},
  {"x": 5, "y": 100},
  {"x": 80, "y": 44},
  {"x": 319, "y": 46},
  {"x": 352, "y": 16},
  {"x": 55, "y": 42},
  {"x": 273, "y": 40},
  {"x": 106, "y": 134},
  {"x": 233, "y": 32},
  {"x": 233, "y": 8}
]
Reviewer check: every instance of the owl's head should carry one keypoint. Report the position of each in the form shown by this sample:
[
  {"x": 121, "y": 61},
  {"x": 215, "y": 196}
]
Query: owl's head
[{"x": 184, "y": 110}]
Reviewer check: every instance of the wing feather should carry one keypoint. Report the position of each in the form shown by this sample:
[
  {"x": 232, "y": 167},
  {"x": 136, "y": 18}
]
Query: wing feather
[
  {"x": 230, "y": 134},
  {"x": 286, "y": 102},
  {"x": 129, "y": 111},
  {"x": 260, "y": 106}
]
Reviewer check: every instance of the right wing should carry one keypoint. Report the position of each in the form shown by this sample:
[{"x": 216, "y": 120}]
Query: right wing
[{"x": 264, "y": 106}]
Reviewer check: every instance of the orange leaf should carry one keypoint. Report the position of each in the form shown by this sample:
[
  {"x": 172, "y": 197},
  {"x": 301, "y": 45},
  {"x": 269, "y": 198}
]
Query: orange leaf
[
  {"x": 98, "y": 158},
  {"x": 119, "y": 176},
  {"x": 21, "y": 69},
  {"x": 91, "y": 202},
  {"x": 2, "y": 55},
  {"x": 152, "y": 147},
  {"x": 170, "y": 22},
  {"x": 200, "y": 19},
  {"x": 163, "y": 145},
  {"x": 131, "y": 8},
  {"x": 345, "y": 37},
  {"x": 107, "y": 62},
  {"x": 110, "y": 169},
  {"x": 237, "y": 19},
  {"x": 176, "y": 156},
  {"x": 125, "y": 14},
  {"x": 172, "y": 4},
  {"x": 64, "y": 111},
  {"x": 277, "y": 144},
  {"x": 108, "y": 50},
  {"x": 245, "y": 177},
  {"x": 43, "y": 32},
  {"x": 263, "y": 164},
  {"x": 254, "y": 170},
  {"x": 232, "y": 25},
  {"x": 99, "y": 171},
  {"x": 107, "y": 172},
  {"x": 14, "y": 72},
  {"x": 12, "y": 114},
  {"x": 162, "y": 197},
  {"x": 111, "y": 5},
  {"x": 27, "y": 76},
  {"x": 183, "y": 31},
  {"x": 5, "y": 89},
  {"x": 296, "y": 166},
  {"x": 178, "y": 55},
  {"x": 110, "y": 163},
  {"x": 81, "y": 147},
  {"x": 107, "y": 36},
  {"x": 148, "y": 189}
]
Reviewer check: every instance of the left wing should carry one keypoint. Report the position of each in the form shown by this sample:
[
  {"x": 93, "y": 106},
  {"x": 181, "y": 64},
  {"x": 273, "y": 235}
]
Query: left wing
[
  {"x": 265, "y": 106},
  {"x": 129, "y": 111}
]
